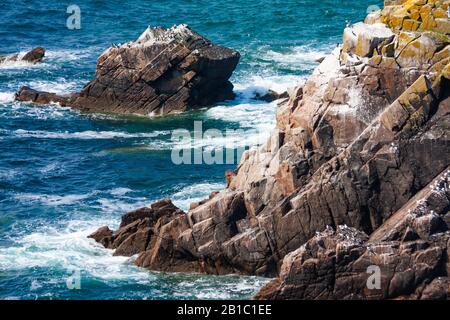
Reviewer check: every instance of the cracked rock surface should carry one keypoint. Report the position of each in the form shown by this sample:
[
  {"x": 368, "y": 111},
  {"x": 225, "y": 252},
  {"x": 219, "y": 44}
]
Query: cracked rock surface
[
  {"x": 164, "y": 71},
  {"x": 355, "y": 174},
  {"x": 34, "y": 56}
]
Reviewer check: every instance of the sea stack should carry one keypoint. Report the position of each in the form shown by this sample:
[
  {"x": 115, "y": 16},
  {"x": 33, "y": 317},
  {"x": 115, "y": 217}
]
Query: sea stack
[
  {"x": 355, "y": 179},
  {"x": 164, "y": 71}
]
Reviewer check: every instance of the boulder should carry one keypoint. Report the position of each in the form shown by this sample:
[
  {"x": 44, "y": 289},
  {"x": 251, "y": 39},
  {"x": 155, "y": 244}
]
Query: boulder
[
  {"x": 103, "y": 235},
  {"x": 164, "y": 71},
  {"x": 156, "y": 211},
  {"x": 136, "y": 229},
  {"x": 271, "y": 95},
  {"x": 34, "y": 56},
  {"x": 363, "y": 39},
  {"x": 27, "y": 94}
]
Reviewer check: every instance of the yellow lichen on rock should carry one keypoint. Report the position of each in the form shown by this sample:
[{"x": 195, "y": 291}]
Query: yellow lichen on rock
[
  {"x": 410, "y": 25},
  {"x": 439, "y": 13},
  {"x": 404, "y": 38},
  {"x": 425, "y": 11},
  {"x": 446, "y": 72},
  {"x": 428, "y": 23},
  {"x": 418, "y": 49},
  {"x": 412, "y": 15},
  {"x": 443, "y": 26},
  {"x": 407, "y": 111}
]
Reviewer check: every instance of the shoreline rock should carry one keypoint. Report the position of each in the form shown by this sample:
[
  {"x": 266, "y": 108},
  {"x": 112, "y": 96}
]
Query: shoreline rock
[
  {"x": 34, "y": 56},
  {"x": 164, "y": 71},
  {"x": 411, "y": 251},
  {"x": 271, "y": 95},
  {"x": 355, "y": 174}
]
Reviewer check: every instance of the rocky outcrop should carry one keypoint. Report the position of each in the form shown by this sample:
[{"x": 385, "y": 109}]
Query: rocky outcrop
[
  {"x": 271, "y": 95},
  {"x": 34, "y": 56},
  {"x": 164, "y": 71},
  {"x": 410, "y": 251},
  {"x": 151, "y": 233},
  {"x": 354, "y": 151},
  {"x": 40, "y": 97}
]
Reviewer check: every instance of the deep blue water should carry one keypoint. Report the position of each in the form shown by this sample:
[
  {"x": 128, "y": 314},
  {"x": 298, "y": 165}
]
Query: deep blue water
[{"x": 63, "y": 174}]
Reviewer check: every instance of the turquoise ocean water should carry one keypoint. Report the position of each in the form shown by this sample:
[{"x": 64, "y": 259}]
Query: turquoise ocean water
[{"x": 63, "y": 174}]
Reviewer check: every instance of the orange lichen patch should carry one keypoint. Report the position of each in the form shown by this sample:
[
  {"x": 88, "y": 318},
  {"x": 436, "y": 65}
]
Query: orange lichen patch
[
  {"x": 428, "y": 23},
  {"x": 412, "y": 15},
  {"x": 439, "y": 13},
  {"x": 410, "y": 25},
  {"x": 425, "y": 11}
]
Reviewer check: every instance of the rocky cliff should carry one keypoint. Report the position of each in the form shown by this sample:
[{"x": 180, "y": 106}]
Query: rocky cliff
[
  {"x": 164, "y": 71},
  {"x": 34, "y": 56},
  {"x": 355, "y": 175}
]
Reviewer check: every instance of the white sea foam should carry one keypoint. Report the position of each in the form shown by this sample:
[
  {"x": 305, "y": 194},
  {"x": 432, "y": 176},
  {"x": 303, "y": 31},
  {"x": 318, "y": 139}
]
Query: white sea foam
[
  {"x": 60, "y": 86},
  {"x": 256, "y": 121},
  {"x": 218, "y": 287},
  {"x": 65, "y": 55},
  {"x": 19, "y": 110},
  {"x": 248, "y": 115},
  {"x": 51, "y": 200},
  {"x": 51, "y": 56},
  {"x": 120, "y": 191},
  {"x": 9, "y": 174},
  {"x": 301, "y": 60},
  {"x": 54, "y": 166},
  {"x": 6, "y": 97},
  {"x": 69, "y": 249},
  {"x": 248, "y": 87},
  {"x": 194, "y": 193},
  {"x": 19, "y": 64},
  {"x": 297, "y": 57},
  {"x": 223, "y": 140},
  {"x": 84, "y": 135},
  {"x": 120, "y": 205},
  {"x": 330, "y": 65},
  {"x": 66, "y": 246},
  {"x": 355, "y": 99}
]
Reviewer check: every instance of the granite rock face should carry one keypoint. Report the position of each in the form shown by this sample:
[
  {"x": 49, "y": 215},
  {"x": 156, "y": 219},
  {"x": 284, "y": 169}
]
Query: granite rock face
[
  {"x": 164, "y": 71},
  {"x": 34, "y": 56},
  {"x": 410, "y": 251},
  {"x": 145, "y": 230},
  {"x": 345, "y": 182}
]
